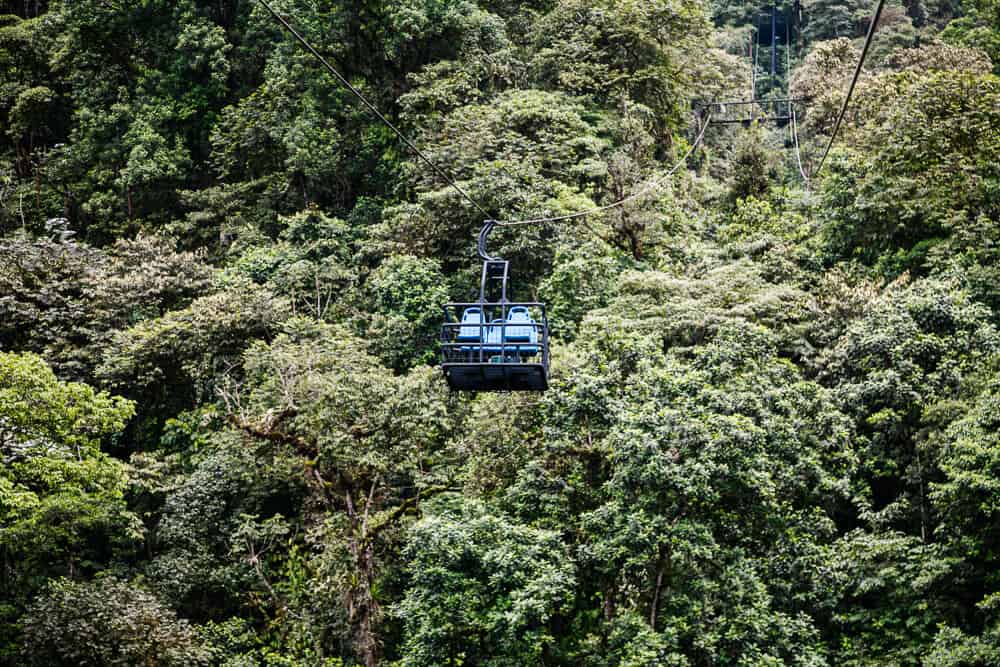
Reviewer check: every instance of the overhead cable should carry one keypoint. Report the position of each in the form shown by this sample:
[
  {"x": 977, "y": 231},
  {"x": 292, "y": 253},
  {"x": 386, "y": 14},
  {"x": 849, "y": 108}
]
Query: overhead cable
[
  {"x": 371, "y": 107},
  {"x": 850, "y": 91},
  {"x": 444, "y": 174}
]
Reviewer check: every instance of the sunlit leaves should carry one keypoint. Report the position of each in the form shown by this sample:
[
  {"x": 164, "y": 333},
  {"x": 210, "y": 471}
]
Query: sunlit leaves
[
  {"x": 483, "y": 590},
  {"x": 62, "y": 500},
  {"x": 929, "y": 179},
  {"x": 107, "y": 622}
]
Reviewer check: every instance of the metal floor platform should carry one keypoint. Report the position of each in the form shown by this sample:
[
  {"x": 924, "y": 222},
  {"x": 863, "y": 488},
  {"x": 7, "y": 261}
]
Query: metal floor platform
[{"x": 496, "y": 377}]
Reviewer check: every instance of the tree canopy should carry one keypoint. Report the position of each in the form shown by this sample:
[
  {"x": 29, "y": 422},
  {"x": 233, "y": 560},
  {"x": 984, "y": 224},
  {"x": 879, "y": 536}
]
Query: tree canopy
[{"x": 771, "y": 430}]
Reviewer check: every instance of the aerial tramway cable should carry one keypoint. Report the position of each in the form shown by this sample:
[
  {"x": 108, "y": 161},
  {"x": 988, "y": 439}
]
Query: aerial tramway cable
[
  {"x": 854, "y": 80},
  {"x": 371, "y": 107},
  {"x": 597, "y": 209},
  {"x": 444, "y": 174}
]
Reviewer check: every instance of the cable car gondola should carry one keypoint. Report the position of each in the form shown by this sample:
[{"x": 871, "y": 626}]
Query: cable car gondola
[{"x": 495, "y": 344}]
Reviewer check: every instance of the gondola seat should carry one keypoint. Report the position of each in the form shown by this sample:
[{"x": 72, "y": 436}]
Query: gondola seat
[
  {"x": 471, "y": 331},
  {"x": 494, "y": 337},
  {"x": 521, "y": 328}
]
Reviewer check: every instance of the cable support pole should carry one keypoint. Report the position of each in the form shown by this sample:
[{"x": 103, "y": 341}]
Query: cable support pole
[
  {"x": 753, "y": 70},
  {"x": 774, "y": 45},
  {"x": 620, "y": 202},
  {"x": 788, "y": 61},
  {"x": 371, "y": 107},
  {"x": 857, "y": 73},
  {"x": 788, "y": 55},
  {"x": 750, "y": 54}
]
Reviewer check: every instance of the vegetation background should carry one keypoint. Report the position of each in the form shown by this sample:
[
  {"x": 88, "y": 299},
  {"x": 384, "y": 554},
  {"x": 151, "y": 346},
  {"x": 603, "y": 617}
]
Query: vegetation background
[{"x": 773, "y": 432}]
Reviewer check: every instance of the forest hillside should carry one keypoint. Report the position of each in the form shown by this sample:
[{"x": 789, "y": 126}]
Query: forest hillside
[{"x": 771, "y": 434}]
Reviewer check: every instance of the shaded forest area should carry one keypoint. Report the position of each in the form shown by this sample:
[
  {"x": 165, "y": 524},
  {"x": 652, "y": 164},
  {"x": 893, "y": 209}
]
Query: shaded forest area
[{"x": 772, "y": 435}]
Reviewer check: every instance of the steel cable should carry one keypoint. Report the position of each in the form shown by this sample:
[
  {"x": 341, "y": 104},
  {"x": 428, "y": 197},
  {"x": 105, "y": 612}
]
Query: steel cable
[
  {"x": 854, "y": 81},
  {"x": 444, "y": 174},
  {"x": 371, "y": 107}
]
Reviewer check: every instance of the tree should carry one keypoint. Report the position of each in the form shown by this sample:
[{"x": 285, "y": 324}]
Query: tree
[
  {"x": 32, "y": 113},
  {"x": 832, "y": 20},
  {"x": 171, "y": 363},
  {"x": 483, "y": 590},
  {"x": 107, "y": 622},
  {"x": 653, "y": 455},
  {"x": 821, "y": 78},
  {"x": 64, "y": 299},
  {"x": 404, "y": 321},
  {"x": 138, "y": 94},
  {"x": 310, "y": 263},
  {"x": 582, "y": 280},
  {"x": 607, "y": 49},
  {"x": 62, "y": 501},
  {"x": 372, "y": 447},
  {"x": 964, "y": 498},
  {"x": 60, "y": 488},
  {"x": 753, "y": 167},
  {"x": 978, "y": 28},
  {"x": 914, "y": 347},
  {"x": 925, "y": 179}
]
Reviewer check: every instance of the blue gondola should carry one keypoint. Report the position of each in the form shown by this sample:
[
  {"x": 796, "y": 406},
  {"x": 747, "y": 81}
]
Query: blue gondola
[{"x": 495, "y": 344}]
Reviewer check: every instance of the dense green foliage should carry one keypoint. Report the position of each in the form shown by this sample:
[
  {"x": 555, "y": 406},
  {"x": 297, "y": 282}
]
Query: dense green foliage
[{"x": 771, "y": 435}]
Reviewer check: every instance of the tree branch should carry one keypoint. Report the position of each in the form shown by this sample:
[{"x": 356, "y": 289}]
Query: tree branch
[
  {"x": 272, "y": 435},
  {"x": 404, "y": 507}
]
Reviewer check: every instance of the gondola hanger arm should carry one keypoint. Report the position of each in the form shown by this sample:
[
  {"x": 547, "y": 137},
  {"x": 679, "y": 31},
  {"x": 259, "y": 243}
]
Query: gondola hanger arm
[{"x": 484, "y": 233}]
